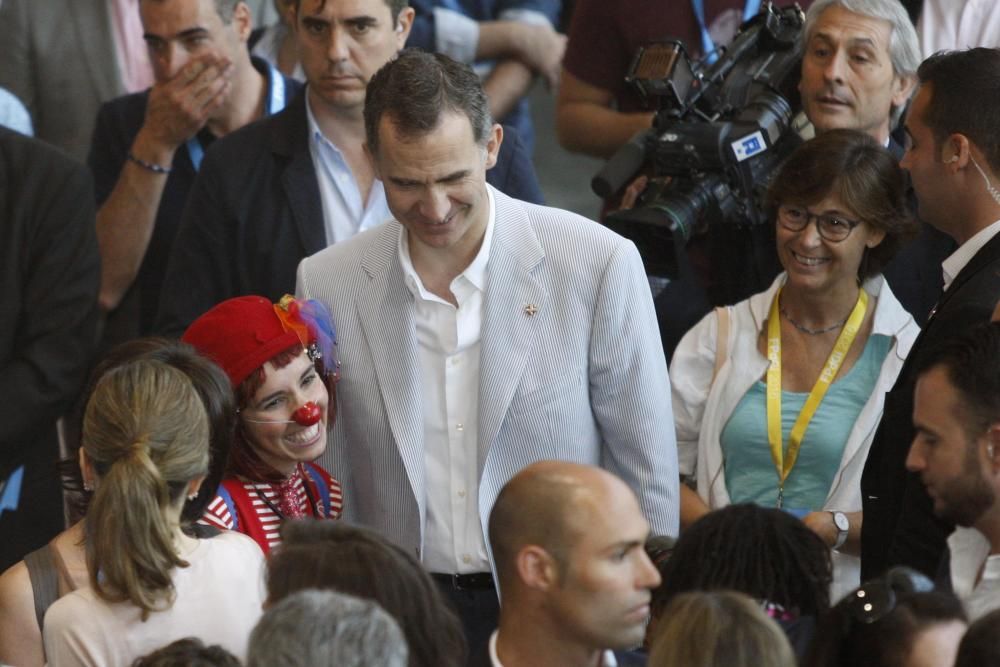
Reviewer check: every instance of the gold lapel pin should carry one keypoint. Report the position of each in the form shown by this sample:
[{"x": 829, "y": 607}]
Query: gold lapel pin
[{"x": 530, "y": 309}]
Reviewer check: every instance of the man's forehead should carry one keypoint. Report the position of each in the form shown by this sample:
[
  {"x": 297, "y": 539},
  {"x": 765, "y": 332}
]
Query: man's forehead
[
  {"x": 179, "y": 15},
  {"x": 915, "y": 113},
  {"x": 837, "y": 24},
  {"x": 345, "y": 9},
  {"x": 608, "y": 523}
]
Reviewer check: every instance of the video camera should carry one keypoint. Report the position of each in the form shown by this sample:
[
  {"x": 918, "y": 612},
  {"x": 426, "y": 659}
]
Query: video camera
[{"x": 720, "y": 130}]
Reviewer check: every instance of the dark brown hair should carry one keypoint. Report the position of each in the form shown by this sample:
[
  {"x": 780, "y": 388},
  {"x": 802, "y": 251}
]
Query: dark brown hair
[
  {"x": 416, "y": 88},
  {"x": 395, "y": 6},
  {"x": 188, "y": 652},
  {"x": 842, "y": 641},
  {"x": 862, "y": 174},
  {"x": 965, "y": 89},
  {"x": 360, "y": 562}
]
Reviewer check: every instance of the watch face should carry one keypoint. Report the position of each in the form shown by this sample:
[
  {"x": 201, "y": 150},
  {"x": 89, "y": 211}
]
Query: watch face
[{"x": 840, "y": 520}]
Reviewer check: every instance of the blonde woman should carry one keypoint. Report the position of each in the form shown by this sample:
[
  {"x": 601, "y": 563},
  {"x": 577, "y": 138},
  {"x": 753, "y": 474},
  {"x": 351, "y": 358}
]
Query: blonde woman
[
  {"x": 145, "y": 450},
  {"x": 719, "y": 629}
]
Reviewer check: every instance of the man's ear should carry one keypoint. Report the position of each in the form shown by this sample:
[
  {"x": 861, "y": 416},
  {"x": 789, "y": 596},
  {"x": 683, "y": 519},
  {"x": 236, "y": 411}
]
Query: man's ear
[
  {"x": 493, "y": 142},
  {"x": 993, "y": 447},
  {"x": 537, "y": 568},
  {"x": 404, "y": 22},
  {"x": 955, "y": 151},
  {"x": 242, "y": 21},
  {"x": 902, "y": 89}
]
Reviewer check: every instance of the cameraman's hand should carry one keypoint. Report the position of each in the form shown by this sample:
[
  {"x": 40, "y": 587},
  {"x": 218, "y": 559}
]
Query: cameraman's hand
[
  {"x": 541, "y": 48},
  {"x": 180, "y": 107},
  {"x": 631, "y": 194}
]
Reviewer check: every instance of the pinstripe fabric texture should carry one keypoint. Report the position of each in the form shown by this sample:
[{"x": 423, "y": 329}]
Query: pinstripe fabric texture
[{"x": 583, "y": 379}]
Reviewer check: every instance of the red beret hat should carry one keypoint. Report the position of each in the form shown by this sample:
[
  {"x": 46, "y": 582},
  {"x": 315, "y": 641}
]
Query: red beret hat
[{"x": 240, "y": 335}]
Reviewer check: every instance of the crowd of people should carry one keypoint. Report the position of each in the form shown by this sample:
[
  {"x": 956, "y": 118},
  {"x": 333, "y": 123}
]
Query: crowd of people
[{"x": 298, "y": 369}]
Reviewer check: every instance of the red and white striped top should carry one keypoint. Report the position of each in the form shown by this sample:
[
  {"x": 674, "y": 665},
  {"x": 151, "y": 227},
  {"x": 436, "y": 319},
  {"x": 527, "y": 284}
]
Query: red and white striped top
[{"x": 255, "y": 504}]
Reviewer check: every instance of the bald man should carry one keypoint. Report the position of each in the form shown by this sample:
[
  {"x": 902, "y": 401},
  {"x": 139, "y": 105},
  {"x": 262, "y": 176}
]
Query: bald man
[{"x": 575, "y": 580}]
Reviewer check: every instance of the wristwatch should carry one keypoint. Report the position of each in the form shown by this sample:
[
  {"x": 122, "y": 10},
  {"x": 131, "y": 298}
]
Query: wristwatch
[{"x": 843, "y": 526}]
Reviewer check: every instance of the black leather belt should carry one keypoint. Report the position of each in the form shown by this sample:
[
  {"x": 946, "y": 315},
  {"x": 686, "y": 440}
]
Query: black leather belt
[{"x": 477, "y": 581}]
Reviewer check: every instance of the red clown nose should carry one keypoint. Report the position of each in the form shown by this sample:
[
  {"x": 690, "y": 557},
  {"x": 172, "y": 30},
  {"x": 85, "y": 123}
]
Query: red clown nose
[{"x": 308, "y": 414}]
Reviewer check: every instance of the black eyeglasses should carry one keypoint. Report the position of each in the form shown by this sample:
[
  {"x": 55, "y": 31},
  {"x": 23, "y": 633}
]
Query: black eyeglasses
[{"x": 831, "y": 227}]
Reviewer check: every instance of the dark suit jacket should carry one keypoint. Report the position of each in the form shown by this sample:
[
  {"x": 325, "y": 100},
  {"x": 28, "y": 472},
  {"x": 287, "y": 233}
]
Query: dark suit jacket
[
  {"x": 255, "y": 212},
  {"x": 59, "y": 59},
  {"x": 118, "y": 123},
  {"x": 49, "y": 277},
  {"x": 900, "y": 527}
]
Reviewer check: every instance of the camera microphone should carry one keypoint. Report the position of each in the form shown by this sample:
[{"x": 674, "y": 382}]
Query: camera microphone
[{"x": 622, "y": 166}]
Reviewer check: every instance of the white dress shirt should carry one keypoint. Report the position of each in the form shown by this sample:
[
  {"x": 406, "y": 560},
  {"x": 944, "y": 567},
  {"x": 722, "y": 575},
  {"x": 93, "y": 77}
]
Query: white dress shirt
[
  {"x": 957, "y": 260},
  {"x": 970, "y": 553},
  {"x": 344, "y": 213},
  {"x": 457, "y": 35},
  {"x": 954, "y": 25},
  {"x": 448, "y": 344},
  {"x": 607, "y": 657}
]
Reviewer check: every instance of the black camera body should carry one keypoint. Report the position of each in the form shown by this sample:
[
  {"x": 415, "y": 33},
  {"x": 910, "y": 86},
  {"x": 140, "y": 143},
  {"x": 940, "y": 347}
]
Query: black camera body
[{"x": 720, "y": 131}]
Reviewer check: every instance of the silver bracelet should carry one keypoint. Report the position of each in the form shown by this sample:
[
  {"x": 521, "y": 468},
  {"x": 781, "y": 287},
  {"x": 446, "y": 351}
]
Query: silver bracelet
[{"x": 149, "y": 166}]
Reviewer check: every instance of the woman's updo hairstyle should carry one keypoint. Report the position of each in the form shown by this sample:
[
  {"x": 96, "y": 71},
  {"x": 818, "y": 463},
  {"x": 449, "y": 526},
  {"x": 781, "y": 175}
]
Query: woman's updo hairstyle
[{"x": 145, "y": 432}]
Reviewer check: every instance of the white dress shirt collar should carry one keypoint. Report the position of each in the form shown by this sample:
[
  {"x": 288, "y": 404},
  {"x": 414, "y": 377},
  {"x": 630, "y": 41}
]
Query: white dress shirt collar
[
  {"x": 448, "y": 341},
  {"x": 607, "y": 657},
  {"x": 344, "y": 212},
  {"x": 957, "y": 260}
]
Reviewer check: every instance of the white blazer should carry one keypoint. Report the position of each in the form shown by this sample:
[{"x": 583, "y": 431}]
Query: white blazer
[
  {"x": 582, "y": 380},
  {"x": 702, "y": 407}
]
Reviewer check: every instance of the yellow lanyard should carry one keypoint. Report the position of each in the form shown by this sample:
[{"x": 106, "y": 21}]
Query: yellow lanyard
[{"x": 783, "y": 463}]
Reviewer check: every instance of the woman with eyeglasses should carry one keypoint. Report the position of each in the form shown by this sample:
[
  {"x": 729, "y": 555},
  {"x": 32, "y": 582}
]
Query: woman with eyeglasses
[
  {"x": 282, "y": 363},
  {"x": 776, "y": 398}
]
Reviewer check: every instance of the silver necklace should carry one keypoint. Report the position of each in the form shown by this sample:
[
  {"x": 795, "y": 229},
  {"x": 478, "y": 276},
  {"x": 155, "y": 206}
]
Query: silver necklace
[{"x": 807, "y": 330}]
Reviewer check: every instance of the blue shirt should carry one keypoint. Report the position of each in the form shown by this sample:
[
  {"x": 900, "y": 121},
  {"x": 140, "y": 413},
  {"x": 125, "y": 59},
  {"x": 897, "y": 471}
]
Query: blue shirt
[
  {"x": 751, "y": 475},
  {"x": 344, "y": 212}
]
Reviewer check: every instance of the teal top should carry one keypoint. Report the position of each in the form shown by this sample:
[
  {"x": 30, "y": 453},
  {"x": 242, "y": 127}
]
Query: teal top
[{"x": 751, "y": 476}]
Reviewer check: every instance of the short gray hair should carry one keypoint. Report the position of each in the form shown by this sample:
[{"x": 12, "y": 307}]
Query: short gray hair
[
  {"x": 326, "y": 629},
  {"x": 904, "y": 49}
]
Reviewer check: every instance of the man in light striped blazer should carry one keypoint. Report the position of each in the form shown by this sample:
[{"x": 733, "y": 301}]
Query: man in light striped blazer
[{"x": 479, "y": 334}]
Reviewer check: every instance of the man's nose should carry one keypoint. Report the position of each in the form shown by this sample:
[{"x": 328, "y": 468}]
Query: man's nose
[
  {"x": 915, "y": 458},
  {"x": 835, "y": 67},
  {"x": 172, "y": 59},
  {"x": 435, "y": 205},
  {"x": 648, "y": 575},
  {"x": 337, "y": 46}
]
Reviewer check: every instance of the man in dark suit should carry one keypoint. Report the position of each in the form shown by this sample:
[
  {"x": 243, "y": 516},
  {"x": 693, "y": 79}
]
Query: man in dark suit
[
  {"x": 49, "y": 277},
  {"x": 284, "y": 189},
  {"x": 953, "y": 161},
  {"x": 147, "y": 147},
  {"x": 568, "y": 547}
]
